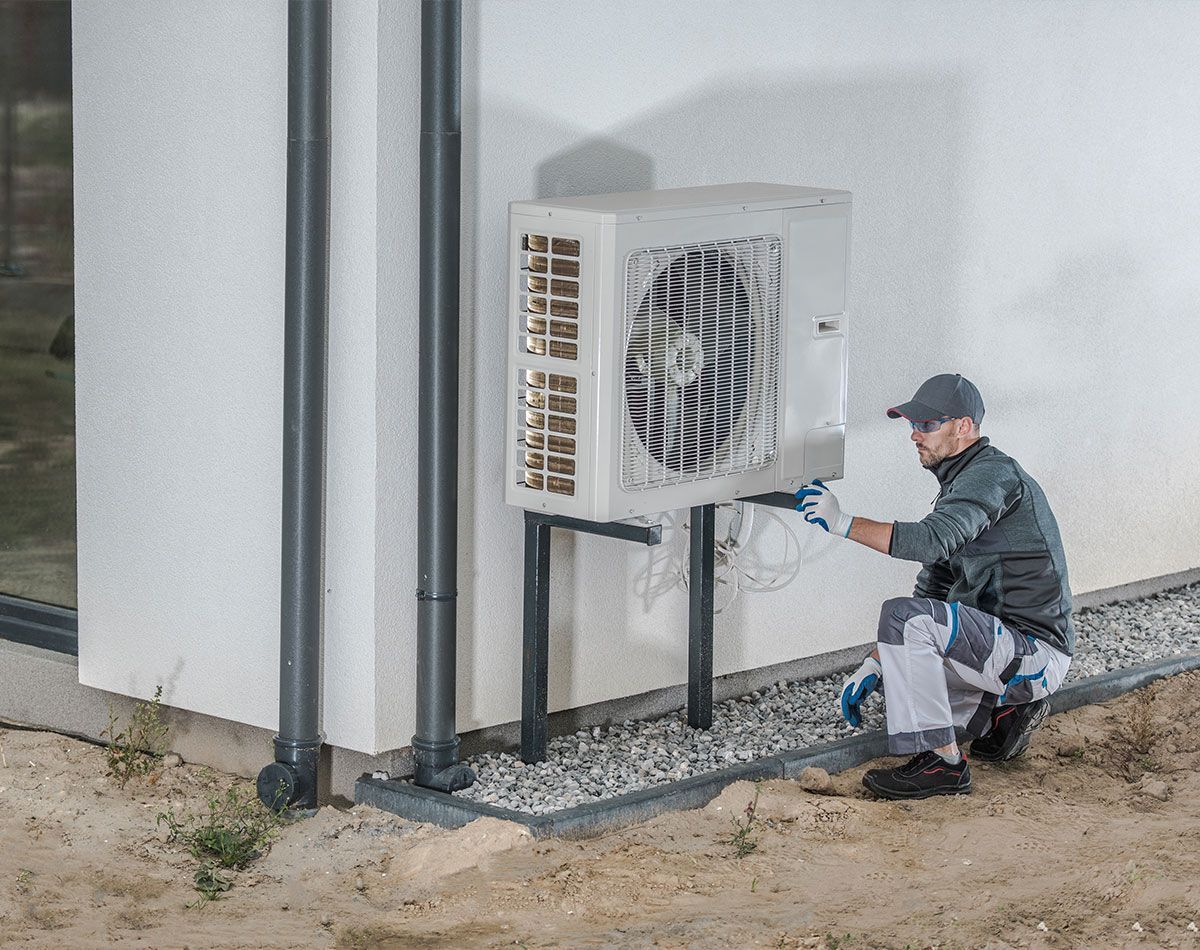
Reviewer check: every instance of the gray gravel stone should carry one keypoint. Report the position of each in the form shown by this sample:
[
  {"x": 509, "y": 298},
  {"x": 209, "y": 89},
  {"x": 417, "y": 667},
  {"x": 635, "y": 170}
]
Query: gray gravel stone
[{"x": 599, "y": 763}]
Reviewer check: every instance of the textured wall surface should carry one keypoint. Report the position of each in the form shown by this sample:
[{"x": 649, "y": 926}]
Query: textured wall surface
[
  {"x": 180, "y": 147},
  {"x": 1024, "y": 206}
]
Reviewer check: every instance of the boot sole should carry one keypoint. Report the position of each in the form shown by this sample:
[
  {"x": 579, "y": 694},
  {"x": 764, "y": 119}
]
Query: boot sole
[
  {"x": 929, "y": 793},
  {"x": 1020, "y": 743}
]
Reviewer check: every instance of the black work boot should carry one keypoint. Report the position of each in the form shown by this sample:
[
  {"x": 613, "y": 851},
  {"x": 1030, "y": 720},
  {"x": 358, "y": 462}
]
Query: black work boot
[
  {"x": 1012, "y": 729},
  {"x": 925, "y": 774}
]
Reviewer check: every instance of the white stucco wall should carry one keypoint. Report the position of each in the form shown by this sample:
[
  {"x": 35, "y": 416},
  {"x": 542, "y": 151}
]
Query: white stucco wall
[
  {"x": 180, "y": 150},
  {"x": 1025, "y": 200}
]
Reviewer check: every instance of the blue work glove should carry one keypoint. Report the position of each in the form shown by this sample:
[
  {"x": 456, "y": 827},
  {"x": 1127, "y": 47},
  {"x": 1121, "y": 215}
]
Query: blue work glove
[
  {"x": 861, "y": 684},
  {"x": 820, "y": 507}
]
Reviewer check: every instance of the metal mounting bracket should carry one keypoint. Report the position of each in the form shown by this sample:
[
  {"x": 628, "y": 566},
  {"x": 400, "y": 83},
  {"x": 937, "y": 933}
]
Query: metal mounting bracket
[{"x": 536, "y": 635}]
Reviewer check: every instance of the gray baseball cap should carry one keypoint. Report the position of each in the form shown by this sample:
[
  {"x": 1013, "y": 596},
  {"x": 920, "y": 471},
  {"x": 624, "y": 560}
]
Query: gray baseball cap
[{"x": 947, "y": 394}]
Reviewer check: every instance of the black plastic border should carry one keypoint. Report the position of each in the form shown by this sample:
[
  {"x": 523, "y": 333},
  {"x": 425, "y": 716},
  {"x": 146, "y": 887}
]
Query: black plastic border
[
  {"x": 39, "y": 625},
  {"x": 594, "y": 818}
]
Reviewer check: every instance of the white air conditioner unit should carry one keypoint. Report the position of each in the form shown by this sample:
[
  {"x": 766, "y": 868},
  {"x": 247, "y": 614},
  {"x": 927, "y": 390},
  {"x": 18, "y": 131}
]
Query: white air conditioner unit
[{"x": 675, "y": 348}]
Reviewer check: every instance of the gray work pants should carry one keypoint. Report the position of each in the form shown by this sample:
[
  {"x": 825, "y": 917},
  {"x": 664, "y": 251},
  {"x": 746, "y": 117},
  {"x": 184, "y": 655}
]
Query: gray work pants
[{"x": 947, "y": 666}]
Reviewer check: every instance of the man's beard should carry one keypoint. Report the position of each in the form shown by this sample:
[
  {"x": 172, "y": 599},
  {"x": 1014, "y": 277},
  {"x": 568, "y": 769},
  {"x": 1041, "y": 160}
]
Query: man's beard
[{"x": 932, "y": 459}]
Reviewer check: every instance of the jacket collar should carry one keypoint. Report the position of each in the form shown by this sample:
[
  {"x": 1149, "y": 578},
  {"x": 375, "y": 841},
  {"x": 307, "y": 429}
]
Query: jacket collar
[{"x": 948, "y": 468}]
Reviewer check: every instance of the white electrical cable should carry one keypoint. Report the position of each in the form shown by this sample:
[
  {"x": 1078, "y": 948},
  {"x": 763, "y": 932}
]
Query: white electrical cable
[
  {"x": 783, "y": 577},
  {"x": 726, "y": 554}
]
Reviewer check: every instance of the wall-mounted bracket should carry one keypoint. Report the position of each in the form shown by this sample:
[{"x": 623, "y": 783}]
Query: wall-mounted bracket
[
  {"x": 700, "y": 617},
  {"x": 773, "y": 499},
  {"x": 536, "y": 636}
]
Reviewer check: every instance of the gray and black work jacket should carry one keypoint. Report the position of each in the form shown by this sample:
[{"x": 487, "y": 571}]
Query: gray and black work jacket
[{"x": 991, "y": 542}]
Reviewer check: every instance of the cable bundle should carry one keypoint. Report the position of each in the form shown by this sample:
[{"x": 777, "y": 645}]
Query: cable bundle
[{"x": 730, "y": 569}]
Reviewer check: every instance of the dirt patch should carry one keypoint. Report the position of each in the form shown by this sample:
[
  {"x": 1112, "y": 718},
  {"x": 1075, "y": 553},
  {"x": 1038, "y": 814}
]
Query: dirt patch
[{"x": 1091, "y": 840}]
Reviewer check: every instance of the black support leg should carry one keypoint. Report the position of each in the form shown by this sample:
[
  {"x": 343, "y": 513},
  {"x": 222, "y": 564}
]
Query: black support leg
[
  {"x": 536, "y": 649},
  {"x": 700, "y": 618}
]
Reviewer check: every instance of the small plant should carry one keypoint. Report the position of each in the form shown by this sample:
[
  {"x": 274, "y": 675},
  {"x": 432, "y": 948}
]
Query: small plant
[
  {"x": 746, "y": 829},
  {"x": 135, "y": 749},
  {"x": 210, "y": 883},
  {"x": 1132, "y": 748},
  {"x": 1141, "y": 724},
  {"x": 236, "y": 831}
]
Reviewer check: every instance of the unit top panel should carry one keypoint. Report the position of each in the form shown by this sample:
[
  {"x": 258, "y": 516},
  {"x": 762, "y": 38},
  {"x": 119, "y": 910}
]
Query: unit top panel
[{"x": 680, "y": 202}]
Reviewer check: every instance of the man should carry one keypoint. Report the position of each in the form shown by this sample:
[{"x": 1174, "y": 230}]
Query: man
[{"x": 987, "y": 634}]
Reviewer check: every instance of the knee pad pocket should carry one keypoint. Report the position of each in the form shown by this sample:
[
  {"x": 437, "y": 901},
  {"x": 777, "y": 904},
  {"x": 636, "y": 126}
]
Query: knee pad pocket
[{"x": 897, "y": 612}]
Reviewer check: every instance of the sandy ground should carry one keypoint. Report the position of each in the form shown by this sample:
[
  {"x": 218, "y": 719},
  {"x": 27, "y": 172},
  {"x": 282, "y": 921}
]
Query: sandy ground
[{"x": 1089, "y": 836}]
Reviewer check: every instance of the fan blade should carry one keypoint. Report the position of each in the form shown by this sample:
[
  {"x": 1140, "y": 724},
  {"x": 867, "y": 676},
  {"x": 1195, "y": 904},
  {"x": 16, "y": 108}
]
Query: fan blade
[{"x": 671, "y": 437}]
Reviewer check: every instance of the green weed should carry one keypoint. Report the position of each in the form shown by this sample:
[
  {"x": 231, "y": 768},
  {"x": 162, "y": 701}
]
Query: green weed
[
  {"x": 747, "y": 829},
  {"x": 210, "y": 883},
  {"x": 236, "y": 830},
  {"x": 135, "y": 749}
]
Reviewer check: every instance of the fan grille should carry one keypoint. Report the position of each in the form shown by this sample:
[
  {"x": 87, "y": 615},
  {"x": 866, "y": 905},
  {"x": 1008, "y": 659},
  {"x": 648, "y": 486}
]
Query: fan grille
[{"x": 701, "y": 367}]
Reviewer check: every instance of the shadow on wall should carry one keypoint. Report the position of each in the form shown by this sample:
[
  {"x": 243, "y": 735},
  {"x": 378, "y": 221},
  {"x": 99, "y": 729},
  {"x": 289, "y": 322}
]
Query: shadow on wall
[
  {"x": 594, "y": 166},
  {"x": 588, "y": 164},
  {"x": 1045, "y": 378},
  {"x": 1032, "y": 332},
  {"x": 895, "y": 140}
]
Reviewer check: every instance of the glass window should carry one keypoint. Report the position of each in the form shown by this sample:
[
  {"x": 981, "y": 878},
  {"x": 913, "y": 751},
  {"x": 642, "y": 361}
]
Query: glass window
[{"x": 37, "y": 334}]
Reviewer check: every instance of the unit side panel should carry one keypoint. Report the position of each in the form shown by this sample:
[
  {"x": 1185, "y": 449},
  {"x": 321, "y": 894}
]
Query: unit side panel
[
  {"x": 609, "y": 287},
  {"x": 550, "y": 365},
  {"x": 813, "y": 399}
]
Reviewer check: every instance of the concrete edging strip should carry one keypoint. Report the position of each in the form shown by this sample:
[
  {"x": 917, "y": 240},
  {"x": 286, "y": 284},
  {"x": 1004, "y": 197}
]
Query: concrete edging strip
[
  {"x": 1110, "y": 685},
  {"x": 593, "y": 818}
]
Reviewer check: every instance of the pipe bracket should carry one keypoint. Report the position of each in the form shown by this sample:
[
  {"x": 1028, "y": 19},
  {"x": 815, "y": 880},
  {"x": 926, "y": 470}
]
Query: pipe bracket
[{"x": 434, "y": 595}]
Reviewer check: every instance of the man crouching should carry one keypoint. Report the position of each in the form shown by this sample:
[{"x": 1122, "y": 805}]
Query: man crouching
[{"x": 987, "y": 634}]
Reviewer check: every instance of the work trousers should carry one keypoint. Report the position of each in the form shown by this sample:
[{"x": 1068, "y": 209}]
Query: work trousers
[{"x": 947, "y": 666}]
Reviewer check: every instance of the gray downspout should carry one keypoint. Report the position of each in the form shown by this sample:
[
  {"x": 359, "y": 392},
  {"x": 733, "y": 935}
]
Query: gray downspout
[
  {"x": 435, "y": 745},
  {"x": 291, "y": 780}
]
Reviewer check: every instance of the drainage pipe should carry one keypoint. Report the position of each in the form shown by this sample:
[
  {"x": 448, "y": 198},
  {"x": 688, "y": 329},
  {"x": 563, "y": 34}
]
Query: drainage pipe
[
  {"x": 435, "y": 745},
  {"x": 291, "y": 780}
]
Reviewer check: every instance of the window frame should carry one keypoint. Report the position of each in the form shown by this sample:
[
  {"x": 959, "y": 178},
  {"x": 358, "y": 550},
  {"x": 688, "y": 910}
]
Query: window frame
[{"x": 39, "y": 625}]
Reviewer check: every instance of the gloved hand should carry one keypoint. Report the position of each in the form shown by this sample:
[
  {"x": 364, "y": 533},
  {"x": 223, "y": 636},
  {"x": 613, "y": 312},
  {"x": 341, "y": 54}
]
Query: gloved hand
[
  {"x": 861, "y": 684},
  {"x": 820, "y": 506}
]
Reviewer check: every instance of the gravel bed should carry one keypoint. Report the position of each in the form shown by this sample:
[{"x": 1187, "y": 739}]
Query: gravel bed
[{"x": 603, "y": 762}]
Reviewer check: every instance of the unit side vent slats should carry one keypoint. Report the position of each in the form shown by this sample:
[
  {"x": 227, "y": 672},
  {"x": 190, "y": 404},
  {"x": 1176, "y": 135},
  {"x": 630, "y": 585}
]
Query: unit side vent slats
[
  {"x": 549, "y": 297},
  {"x": 701, "y": 361},
  {"x": 547, "y": 429}
]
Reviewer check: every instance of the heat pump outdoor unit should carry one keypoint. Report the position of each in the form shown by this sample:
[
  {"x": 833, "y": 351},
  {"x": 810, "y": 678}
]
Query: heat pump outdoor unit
[{"x": 675, "y": 348}]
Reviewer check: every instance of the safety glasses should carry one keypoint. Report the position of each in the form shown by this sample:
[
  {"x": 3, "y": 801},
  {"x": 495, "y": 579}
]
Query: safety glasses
[{"x": 929, "y": 425}]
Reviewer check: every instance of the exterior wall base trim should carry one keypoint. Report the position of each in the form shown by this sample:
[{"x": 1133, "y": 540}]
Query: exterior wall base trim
[{"x": 40, "y": 688}]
